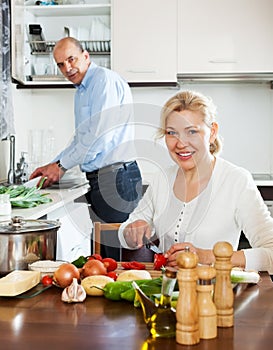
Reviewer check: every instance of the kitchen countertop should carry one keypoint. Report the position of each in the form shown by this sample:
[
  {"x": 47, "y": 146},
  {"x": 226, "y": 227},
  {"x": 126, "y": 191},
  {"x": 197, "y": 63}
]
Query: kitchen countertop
[
  {"x": 263, "y": 179},
  {"x": 45, "y": 322},
  {"x": 60, "y": 197}
]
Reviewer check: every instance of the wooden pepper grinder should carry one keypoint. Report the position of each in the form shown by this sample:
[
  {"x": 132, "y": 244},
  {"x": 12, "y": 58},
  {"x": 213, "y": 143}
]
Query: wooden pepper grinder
[
  {"x": 206, "y": 308},
  {"x": 187, "y": 323},
  {"x": 223, "y": 292}
]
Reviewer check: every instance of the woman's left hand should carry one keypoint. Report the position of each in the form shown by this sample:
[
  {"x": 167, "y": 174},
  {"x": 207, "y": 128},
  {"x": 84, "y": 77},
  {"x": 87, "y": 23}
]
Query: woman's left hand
[{"x": 177, "y": 248}]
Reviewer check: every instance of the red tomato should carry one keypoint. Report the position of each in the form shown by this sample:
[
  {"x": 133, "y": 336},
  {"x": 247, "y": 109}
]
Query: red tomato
[
  {"x": 159, "y": 261},
  {"x": 133, "y": 265},
  {"x": 113, "y": 275},
  {"x": 95, "y": 257},
  {"x": 110, "y": 264},
  {"x": 47, "y": 280}
]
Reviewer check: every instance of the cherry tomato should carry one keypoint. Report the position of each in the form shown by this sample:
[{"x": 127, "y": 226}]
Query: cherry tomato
[
  {"x": 47, "y": 280},
  {"x": 159, "y": 261},
  {"x": 133, "y": 265},
  {"x": 110, "y": 264},
  {"x": 113, "y": 275},
  {"x": 95, "y": 257}
]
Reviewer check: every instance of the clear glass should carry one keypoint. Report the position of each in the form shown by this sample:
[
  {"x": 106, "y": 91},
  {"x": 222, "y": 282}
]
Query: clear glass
[{"x": 5, "y": 207}]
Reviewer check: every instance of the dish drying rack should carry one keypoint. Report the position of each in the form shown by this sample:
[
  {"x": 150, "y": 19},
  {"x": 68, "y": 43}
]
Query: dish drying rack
[{"x": 95, "y": 47}]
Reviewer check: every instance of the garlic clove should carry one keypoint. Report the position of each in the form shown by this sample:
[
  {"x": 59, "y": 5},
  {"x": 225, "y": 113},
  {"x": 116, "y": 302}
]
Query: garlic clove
[{"x": 74, "y": 293}]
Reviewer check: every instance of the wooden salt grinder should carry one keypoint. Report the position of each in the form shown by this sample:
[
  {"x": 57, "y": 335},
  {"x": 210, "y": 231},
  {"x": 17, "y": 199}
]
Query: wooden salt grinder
[
  {"x": 187, "y": 327},
  {"x": 206, "y": 308},
  {"x": 223, "y": 292}
]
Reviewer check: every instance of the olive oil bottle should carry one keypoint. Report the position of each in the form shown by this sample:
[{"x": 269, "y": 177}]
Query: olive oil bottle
[
  {"x": 163, "y": 321},
  {"x": 160, "y": 317}
]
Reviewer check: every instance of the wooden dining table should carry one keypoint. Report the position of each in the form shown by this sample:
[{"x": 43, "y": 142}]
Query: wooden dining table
[{"x": 45, "y": 322}]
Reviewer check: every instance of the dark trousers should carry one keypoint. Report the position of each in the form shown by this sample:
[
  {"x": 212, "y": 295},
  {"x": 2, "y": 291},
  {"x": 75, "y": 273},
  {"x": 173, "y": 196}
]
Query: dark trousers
[{"x": 115, "y": 192}]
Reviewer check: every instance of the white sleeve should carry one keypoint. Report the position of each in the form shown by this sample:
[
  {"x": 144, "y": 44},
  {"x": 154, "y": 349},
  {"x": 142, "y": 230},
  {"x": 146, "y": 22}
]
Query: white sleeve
[
  {"x": 257, "y": 225},
  {"x": 152, "y": 206},
  {"x": 144, "y": 211}
]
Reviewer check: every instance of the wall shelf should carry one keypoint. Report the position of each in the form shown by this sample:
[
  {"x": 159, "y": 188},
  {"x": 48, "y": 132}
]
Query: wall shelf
[{"x": 69, "y": 10}]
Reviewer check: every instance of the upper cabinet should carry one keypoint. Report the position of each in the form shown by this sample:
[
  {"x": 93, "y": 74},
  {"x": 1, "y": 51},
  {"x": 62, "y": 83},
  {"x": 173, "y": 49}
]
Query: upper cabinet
[
  {"x": 144, "y": 40},
  {"x": 151, "y": 42},
  {"x": 228, "y": 36},
  {"x": 36, "y": 28}
]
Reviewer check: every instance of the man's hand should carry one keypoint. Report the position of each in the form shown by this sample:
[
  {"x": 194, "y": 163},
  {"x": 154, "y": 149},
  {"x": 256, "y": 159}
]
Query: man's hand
[{"x": 51, "y": 172}]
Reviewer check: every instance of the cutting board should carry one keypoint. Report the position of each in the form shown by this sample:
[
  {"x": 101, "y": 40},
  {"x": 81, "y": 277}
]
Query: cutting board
[{"x": 149, "y": 267}]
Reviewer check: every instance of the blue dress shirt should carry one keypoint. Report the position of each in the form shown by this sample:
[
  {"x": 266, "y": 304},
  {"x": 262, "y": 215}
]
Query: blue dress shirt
[{"x": 104, "y": 130}]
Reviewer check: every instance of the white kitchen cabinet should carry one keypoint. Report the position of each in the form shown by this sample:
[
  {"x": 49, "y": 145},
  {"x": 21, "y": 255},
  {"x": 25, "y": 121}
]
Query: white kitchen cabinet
[
  {"x": 227, "y": 36},
  {"x": 32, "y": 60},
  {"x": 144, "y": 40},
  {"x": 74, "y": 234}
]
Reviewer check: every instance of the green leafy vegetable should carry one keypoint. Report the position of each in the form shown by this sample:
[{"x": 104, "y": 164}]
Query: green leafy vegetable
[
  {"x": 123, "y": 290},
  {"x": 23, "y": 197}
]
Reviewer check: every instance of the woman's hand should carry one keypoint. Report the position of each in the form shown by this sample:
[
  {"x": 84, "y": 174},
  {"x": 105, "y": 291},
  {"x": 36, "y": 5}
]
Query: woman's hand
[
  {"x": 205, "y": 256},
  {"x": 175, "y": 249},
  {"x": 134, "y": 233}
]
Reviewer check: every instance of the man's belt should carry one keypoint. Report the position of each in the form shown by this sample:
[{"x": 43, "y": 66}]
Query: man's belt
[{"x": 109, "y": 169}]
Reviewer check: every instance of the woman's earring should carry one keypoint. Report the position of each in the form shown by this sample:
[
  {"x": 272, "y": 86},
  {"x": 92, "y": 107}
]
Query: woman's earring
[{"x": 212, "y": 147}]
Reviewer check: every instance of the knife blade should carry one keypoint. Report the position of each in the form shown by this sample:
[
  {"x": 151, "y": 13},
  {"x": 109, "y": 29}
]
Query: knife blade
[
  {"x": 33, "y": 182},
  {"x": 150, "y": 245}
]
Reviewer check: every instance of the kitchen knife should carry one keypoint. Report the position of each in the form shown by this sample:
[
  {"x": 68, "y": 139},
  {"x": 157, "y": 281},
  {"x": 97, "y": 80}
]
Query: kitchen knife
[
  {"x": 150, "y": 245},
  {"x": 32, "y": 183}
]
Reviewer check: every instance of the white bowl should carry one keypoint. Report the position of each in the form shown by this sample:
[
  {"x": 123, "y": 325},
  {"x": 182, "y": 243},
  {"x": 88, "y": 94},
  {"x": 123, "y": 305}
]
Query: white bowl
[{"x": 46, "y": 267}]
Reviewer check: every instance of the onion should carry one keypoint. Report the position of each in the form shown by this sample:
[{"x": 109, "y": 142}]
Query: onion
[
  {"x": 64, "y": 275},
  {"x": 93, "y": 267}
]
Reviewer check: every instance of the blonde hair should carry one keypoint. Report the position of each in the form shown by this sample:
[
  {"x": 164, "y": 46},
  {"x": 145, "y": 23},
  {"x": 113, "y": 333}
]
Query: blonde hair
[{"x": 191, "y": 101}]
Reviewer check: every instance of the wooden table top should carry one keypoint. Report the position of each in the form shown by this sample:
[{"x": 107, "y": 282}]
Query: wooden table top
[{"x": 45, "y": 322}]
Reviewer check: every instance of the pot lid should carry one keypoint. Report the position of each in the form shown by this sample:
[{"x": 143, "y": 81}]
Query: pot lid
[{"x": 20, "y": 225}]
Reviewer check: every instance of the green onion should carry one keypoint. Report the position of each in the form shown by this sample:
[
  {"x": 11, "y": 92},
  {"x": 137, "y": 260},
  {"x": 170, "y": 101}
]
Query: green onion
[
  {"x": 241, "y": 276},
  {"x": 23, "y": 197}
]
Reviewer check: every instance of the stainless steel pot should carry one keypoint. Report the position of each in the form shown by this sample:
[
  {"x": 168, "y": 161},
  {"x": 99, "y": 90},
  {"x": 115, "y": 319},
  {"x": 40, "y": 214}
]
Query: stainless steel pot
[{"x": 25, "y": 241}]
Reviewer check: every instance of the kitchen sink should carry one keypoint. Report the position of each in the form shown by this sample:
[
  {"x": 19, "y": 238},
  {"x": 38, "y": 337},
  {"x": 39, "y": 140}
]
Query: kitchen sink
[{"x": 67, "y": 184}]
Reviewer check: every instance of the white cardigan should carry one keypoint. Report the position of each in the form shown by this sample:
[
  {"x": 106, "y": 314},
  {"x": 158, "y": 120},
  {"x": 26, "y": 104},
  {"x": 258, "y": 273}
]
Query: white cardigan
[{"x": 230, "y": 203}]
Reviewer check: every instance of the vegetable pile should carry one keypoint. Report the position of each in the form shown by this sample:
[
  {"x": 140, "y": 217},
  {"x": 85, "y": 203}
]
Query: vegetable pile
[
  {"x": 95, "y": 276},
  {"x": 100, "y": 277},
  {"x": 24, "y": 197}
]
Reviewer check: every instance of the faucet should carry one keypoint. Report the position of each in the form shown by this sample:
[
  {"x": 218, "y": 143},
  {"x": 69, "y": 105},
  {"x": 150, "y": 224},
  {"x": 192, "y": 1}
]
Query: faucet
[
  {"x": 21, "y": 173},
  {"x": 18, "y": 175},
  {"x": 11, "y": 172}
]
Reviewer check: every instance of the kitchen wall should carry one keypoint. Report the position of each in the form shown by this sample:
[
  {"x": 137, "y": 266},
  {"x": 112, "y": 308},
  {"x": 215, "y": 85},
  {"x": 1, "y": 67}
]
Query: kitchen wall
[{"x": 245, "y": 116}]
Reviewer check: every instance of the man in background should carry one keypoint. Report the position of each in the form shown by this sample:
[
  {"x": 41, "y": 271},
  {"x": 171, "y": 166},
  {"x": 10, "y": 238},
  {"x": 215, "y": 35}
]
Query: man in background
[{"x": 103, "y": 144}]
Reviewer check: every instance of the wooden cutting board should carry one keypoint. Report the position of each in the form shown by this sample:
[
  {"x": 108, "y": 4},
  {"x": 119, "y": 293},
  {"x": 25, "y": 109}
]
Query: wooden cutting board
[{"x": 149, "y": 267}]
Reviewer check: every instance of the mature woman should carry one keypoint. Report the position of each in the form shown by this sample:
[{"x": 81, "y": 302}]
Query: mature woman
[{"x": 202, "y": 199}]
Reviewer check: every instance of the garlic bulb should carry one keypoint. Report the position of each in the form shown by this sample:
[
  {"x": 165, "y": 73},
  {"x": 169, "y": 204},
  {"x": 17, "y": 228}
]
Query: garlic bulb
[{"x": 74, "y": 293}]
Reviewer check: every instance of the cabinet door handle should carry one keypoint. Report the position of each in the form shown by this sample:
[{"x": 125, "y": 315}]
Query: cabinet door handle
[
  {"x": 222, "y": 60},
  {"x": 141, "y": 71}
]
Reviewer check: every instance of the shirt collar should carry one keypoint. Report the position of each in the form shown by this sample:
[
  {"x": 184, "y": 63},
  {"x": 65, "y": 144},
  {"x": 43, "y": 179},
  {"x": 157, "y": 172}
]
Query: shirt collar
[{"x": 88, "y": 76}]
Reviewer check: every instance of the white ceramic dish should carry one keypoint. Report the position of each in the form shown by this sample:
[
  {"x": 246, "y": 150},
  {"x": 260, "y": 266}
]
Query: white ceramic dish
[{"x": 46, "y": 267}]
